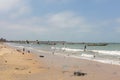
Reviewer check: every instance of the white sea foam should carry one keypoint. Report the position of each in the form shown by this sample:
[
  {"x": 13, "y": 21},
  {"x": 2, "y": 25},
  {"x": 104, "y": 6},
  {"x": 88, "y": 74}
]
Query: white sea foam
[
  {"x": 87, "y": 55},
  {"x": 66, "y": 49},
  {"x": 105, "y": 52},
  {"x": 19, "y": 46},
  {"x": 107, "y": 61}
]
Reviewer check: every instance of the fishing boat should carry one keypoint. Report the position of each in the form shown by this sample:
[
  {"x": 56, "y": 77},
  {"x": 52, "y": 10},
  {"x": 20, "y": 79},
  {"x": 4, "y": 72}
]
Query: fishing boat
[{"x": 97, "y": 44}]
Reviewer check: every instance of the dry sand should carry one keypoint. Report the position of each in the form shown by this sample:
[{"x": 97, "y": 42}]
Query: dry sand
[{"x": 14, "y": 65}]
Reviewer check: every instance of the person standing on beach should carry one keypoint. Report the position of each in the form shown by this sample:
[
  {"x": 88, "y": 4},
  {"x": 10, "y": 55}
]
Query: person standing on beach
[{"x": 23, "y": 49}]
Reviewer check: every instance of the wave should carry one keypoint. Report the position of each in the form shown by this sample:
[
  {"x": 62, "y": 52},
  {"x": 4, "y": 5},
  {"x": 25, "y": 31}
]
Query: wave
[
  {"x": 105, "y": 52},
  {"x": 101, "y": 60},
  {"x": 87, "y": 55},
  {"x": 102, "y": 52},
  {"x": 66, "y": 49}
]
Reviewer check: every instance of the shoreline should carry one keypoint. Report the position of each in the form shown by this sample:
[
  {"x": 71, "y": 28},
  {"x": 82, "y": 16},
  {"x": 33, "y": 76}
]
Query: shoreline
[
  {"x": 30, "y": 66},
  {"x": 111, "y": 62},
  {"x": 82, "y": 55}
]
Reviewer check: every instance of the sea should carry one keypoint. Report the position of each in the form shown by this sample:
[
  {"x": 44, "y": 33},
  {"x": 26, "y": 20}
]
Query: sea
[{"x": 109, "y": 54}]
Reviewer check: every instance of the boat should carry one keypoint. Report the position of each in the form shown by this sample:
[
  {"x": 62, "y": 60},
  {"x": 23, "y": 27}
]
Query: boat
[{"x": 97, "y": 44}]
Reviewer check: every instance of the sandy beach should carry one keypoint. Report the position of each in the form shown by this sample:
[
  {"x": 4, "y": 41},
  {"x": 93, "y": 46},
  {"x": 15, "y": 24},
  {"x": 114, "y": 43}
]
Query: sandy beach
[{"x": 16, "y": 65}]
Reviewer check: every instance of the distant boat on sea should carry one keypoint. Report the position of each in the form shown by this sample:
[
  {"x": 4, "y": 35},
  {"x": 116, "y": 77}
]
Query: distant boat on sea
[{"x": 97, "y": 44}]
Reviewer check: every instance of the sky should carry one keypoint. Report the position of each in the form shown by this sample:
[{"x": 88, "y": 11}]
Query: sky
[{"x": 60, "y": 20}]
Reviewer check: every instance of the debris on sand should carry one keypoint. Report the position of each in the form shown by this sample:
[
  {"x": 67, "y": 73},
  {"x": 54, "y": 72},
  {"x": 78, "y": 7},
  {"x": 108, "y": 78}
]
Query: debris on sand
[
  {"x": 79, "y": 73},
  {"x": 41, "y": 56}
]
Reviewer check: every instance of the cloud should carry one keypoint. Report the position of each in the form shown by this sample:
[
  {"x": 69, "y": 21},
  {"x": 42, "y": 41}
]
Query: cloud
[
  {"x": 66, "y": 25},
  {"x": 108, "y": 29},
  {"x": 64, "y": 19},
  {"x": 49, "y": 25},
  {"x": 19, "y": 28},
  {"x": 20, "y": 11},
  {"x": 118, "y": 20},
  {"x": 6, "y": 5},
  {"x": 68, "y": 20},
  {"x": 117, "y": 26},
  {"x": 14, "y": 8},
  {"x": 17, "y": 19}
]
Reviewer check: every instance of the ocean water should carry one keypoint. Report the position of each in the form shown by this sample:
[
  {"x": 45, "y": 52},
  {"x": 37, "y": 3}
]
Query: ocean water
[{"x": 105, "y": 54}]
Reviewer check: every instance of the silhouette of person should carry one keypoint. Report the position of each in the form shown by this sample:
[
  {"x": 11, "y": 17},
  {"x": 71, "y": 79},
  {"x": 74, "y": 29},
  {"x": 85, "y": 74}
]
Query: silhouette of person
[
  {"x": 85, "y": 48},
  {"x": 23, "y": 49}
]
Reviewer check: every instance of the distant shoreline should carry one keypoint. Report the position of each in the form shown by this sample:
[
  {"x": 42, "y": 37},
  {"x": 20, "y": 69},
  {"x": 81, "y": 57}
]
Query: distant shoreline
[{"x": 59, "y": 42}]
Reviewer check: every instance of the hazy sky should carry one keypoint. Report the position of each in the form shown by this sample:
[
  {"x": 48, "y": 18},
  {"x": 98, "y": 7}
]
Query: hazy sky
[{"x": 68, "y": 20}]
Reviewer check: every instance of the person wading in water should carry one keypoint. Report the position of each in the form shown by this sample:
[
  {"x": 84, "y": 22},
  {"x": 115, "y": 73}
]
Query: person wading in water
[{"x": 85, "y": 48}]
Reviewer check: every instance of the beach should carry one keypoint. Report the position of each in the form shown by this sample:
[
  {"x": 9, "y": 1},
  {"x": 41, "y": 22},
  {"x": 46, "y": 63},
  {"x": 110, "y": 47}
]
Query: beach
[{"x": 19, "y": 65}]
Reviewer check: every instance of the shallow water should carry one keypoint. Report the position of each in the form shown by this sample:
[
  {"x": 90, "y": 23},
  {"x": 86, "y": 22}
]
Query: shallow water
[{"x": 105, "y": 54}]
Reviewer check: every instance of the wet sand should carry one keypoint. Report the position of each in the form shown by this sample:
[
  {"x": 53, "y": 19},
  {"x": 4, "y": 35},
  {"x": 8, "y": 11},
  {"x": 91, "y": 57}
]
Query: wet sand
[{"x": 14, "y": 65}]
